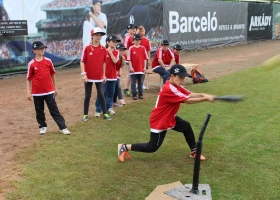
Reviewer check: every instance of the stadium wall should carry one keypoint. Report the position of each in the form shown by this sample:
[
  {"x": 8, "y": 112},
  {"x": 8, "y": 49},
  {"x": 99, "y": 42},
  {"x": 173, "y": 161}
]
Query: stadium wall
[{"x": 195, "y": 24}]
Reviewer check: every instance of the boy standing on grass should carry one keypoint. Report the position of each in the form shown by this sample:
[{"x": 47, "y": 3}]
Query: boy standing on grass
[
  {"x": 41, "y": 85},
  {"x": 163, "y": 116},
  {"x": 137, "y": 57},
  {"x": 145, "y": 43},
  {"x": 128, "y": 42},
  {"x": 163, "y": 59}
]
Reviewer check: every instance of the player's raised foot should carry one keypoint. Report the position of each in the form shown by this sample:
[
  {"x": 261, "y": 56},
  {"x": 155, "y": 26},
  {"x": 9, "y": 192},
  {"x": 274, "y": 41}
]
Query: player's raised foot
[
  {"x": 193, "y": 155},
  {"x": 43, "y": 130},
  {"x": 123, "y": 153},
  {"x": 85, "y": 118},
  {"x": 65, "y": 131},
  {"x": 107, "y": 117}
]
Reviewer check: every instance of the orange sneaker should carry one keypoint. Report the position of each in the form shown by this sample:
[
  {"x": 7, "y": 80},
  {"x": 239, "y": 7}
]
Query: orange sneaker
[
  {"x": 123, "y": 153},
  {"x": 193, "y": 154}
]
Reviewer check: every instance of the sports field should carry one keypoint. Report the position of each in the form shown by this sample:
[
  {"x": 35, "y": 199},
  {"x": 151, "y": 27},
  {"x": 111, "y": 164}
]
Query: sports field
[{"x": 240, "y": 143}]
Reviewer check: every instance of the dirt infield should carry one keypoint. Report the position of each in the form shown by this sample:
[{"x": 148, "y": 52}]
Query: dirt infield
[{"x": 19, "y": 129}]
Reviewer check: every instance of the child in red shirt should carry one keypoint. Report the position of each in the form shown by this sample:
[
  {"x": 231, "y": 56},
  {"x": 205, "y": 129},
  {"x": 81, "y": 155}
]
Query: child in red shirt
[
  {"x": 176, "y": 51},
  {"x": 112, "y": 58},
  {"x": 41, "y": 85},
  {"x": 128, "y": 42},
  {"x": 93, "y": 68},
  {"x": 163, "y": 116},
  {"x": 137, "y": 56},
  {"x": 163, "y": 59}
]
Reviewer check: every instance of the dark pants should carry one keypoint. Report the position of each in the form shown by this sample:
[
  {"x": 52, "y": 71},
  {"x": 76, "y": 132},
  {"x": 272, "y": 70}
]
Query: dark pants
[
  {"x": 139, "y": 78},
  {"x": 165, "y": 75},
  {"x": 100, "y": 95},
  {"x": 118, "y": 91},
  {"x": 40, "y": 114},
  {"x": 156, "y": 139}
]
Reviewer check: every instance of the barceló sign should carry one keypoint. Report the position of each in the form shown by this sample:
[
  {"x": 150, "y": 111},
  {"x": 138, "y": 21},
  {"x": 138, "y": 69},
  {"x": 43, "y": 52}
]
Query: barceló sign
[{"x": 13, "y": 28}]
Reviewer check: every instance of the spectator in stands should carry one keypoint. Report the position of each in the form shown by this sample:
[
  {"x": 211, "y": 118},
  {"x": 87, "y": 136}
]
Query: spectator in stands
[
  {"x": 87, "y": 27},
  {"x": 176, "y": 50},
  {"x": 98, "y": 19},
  {"x": 163, "y": 59}
]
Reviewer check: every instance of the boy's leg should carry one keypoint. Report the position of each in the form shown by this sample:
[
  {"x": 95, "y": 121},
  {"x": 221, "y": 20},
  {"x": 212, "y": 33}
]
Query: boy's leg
[
  {"x": 101, "y": 97},
  {"x": 163, "y": 73},
  {"x": 97, "y": 102},
  {"x": 116, "y": 92},
  {"x": 39, "y": 108},
  {"x": 88, "y": 89},
  {"x": 110, "y": 90},
  {"x": 58, "y": 118},
  {"x": 140, "y": 84},
  {"x": 120, "y": 97},
  {"x": 184, "y": 127},
  {"x": 133, "y": 85},
  {"x": 128, "y": 81}
]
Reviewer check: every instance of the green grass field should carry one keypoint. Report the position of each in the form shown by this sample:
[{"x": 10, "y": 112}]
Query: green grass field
[{"x": 241, "y": 144}]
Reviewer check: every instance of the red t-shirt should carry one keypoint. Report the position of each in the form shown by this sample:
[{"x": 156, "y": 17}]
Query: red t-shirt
[
  {"x": 145, "y": 43},
  {"x": 177, "y": 57},
  {"x": 93, "y": 58},
  {"x": 166, "y": 57},
  {"x": 111, "y": 71},
  {"x": 39, "y": 72},
  {"x": 167, "y": 106},
  {"x": 137, "y": 56},
  {"x": 128, "y": 41}
]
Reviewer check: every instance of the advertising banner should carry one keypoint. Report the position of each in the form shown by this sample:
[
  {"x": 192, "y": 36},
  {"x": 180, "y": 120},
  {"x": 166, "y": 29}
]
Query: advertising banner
[
  {"x": 60, "y": 24},
  {"x": 276, "y": 21},
  {"x": 259, "y": 21},
  {"x": 196, "y": 24}
]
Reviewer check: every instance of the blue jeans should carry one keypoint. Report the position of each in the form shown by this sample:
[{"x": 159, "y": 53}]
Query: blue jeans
[
  {"x": 133, "y": 78},
  {"x": 109, "y": 90},
  {"x": 165, "y": 75}
]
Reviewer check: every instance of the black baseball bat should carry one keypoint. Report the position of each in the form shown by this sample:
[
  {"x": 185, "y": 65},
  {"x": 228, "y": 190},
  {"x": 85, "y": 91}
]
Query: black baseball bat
[{"x": 233, "y": 98}]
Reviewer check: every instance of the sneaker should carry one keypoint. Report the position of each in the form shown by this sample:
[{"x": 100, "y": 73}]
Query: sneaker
[
  {"x": 65, "y": 131},
  {"x": 134, "y": 97},
  {"x": 107, "y": 117},
  {"x": 140, "y": 96},
  {"x": 123, "y": 153},
  {"x": 97, "y": 114},
  {"x": 193, "y": 154},
  {"x": 85, "y": 118},
  {"x": 122, "y": 102},
  {"x": 43, "y": 130},
  {"x": 111, "y": 111},
  {"x": 127, "y": 92},
  {"x": 116, "y": 105},
  {"x": 144, "y": 87}
]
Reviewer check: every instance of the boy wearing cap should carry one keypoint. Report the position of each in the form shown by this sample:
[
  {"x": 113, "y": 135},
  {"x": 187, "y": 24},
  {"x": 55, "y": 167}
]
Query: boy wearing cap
[
  {"x": 163, "y": 59},
  {"x": 137, "y": 57},
  {"x": 112, "y": 58},
  {"x": 41, "y": 85},
  {"x": 128, "y": 42},
  {"x": 93, "y": 68},
  {"x": 176, "y": 51},
  {"x": 98, "y": 19},
  {"x": 163, "y": 116}
]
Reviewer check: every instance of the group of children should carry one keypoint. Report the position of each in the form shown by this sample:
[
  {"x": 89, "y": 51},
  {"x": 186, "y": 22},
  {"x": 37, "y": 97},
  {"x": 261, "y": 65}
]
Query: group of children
[{"x": 102, "y": 66}]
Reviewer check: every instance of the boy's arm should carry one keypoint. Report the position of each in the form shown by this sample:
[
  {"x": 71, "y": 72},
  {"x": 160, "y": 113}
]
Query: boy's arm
[
  {"x": 28, "y": 87},
  {"x": 130, "y": 66},
  {"x": 161, "y": 62},
  {"x": 199, "y": 97},
  {"x": 54, "y": 84},
  {"x": 149, "y": 60},
  {"x": 172, "y": 62},
  {"x": 113, "y": 58}
]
